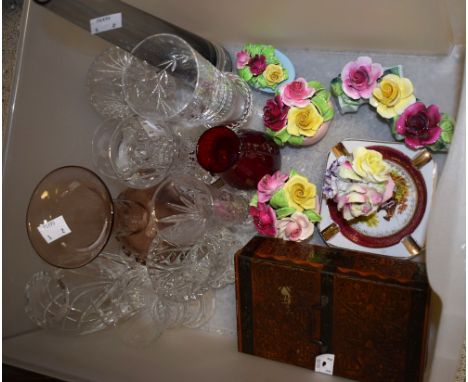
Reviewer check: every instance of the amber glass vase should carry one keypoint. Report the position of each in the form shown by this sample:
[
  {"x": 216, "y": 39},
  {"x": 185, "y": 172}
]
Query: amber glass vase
[{"x": 71, "y": 216}]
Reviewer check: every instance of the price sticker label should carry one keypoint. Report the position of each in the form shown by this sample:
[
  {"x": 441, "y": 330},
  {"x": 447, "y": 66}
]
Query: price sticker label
[
  {"x": 106, "y": 23},
  {"x": 324, "y": 363},
  {"x": 54, "y": 229}
]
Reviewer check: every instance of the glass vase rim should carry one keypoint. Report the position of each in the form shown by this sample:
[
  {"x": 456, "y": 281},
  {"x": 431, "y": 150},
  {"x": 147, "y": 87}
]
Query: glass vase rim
[
  {"x": 196, "y": 57},
  {"x": 111, "y": 205}
]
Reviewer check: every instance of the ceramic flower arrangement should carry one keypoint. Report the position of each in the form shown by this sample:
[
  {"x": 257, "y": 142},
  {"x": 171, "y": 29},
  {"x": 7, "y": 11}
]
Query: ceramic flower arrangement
[
  {"x": 285, "y": 206},
  {"x": 260, "y": 67},
  {"x": 299, "y": 114},
  {"x": 359, "y": 184},
  {"x": 392, "y": 95}
]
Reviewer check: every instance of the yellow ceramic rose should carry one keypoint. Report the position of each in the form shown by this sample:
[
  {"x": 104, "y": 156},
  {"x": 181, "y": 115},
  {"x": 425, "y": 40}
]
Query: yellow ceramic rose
[
  {"x": 304, "y": 121},
  {"x": 370, "y": 165},
  {"x": 300, "y": 193},
  {"x": 392, "y": 96},
  {"x": 273, "y": 74}
]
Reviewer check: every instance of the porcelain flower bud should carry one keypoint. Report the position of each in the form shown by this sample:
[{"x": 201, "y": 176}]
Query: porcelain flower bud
[
  {"x": 304, "y": 121},
  {"x": 242, "y": 59},
  {"x": 269, "y": 184},
  {"x": 300, "y": 193},
  {"x": 275, "y": 114},
  {"x": 392, "y": 96},
  {"x": 419, "y": 125},
  {"x": 297, "y": 93},
  {"x": 363, "y": 199},
  {"x": 360, "y": 77},
  {"x": 264, "y": 218},
  {"x": 257, "y": 64},
  {"x": 370, "y": 165},
  {"x": 297, "y": 227}
]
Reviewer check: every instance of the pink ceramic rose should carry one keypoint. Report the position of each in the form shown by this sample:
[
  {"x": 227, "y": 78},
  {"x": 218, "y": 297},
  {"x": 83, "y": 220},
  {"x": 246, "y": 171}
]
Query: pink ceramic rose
[
  {"x": 419, "y": 125},
  {"x": 264, "y": 218},
  {"x": 297, "y": 93},
  {"x": 297, "y": 227},
  {"x": 242, "y": 59},
  {"x": 269, "y": 184},
  {"x": 360, "y": 77}
]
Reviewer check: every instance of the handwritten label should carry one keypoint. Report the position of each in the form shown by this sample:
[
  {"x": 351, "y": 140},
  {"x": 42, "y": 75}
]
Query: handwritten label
[
  {"x": 106, "y": 23},
  {"x": 54, "y": 229},
  {"x": 324, "y": 363}
]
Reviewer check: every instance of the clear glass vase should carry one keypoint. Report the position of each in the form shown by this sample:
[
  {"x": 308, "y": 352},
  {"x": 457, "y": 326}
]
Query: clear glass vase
[{"x": 170, "y": 82}]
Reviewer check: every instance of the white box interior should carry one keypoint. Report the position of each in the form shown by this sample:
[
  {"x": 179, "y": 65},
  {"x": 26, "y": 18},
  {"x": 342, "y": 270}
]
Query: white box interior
[{"x": 51, "y": 125}]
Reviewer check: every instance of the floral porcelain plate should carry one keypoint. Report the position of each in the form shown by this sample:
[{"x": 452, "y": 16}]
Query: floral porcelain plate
[{"x": 397, "y": 228}]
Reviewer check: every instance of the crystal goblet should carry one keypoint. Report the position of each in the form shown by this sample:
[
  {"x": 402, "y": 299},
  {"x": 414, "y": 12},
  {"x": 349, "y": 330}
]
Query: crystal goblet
[{"x": 170, "y": 82}]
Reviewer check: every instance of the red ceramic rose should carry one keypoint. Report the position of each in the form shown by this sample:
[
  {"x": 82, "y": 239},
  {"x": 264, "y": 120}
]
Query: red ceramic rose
[
  {"x": 419, "y": 125},
  {"x": 275, "y": 114},
  {"x": 257, "y": 64}
]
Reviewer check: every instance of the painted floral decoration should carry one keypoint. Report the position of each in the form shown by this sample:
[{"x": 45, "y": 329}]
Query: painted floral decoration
[
  {"x": 299, "y": 114},
  {"x": 392, "y": 95},
  {"x": 359, "y": 185},
  {"x": 259, "y": 66},
  {"x": 285, "y": 206}
]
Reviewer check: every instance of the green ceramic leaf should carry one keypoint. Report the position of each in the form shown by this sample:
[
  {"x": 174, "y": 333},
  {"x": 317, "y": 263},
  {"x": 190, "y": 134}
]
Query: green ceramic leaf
[
  {"x": 253, "y": 49},
  {"x": 323, "y": 107},
  {"x": 245, "y": 73},
  {"x": 293, "y": 172},
  {"x": 284, "y": 212},
  {"x": 295, "y": 141},
  {"x": 447, "y": 126},
  {"x": 254, "y": 200},
  {"x": 261, "y": 82},
  {"x": 336, "y": 86},
  {"x": 392, "y": 122},
  {"x": 279, "y": 142},
  {"x": 285, "y": 73},
  {"x": 316, "y": 85},
  {"x": 398, "y": 70},
  {"x": 279, "y": 200},
  {"x": 268, "y": 50},
  {"x": 439, "y": 146},
  {"x": 282, "y": 135},
  {"x": 313, "y": 216}
]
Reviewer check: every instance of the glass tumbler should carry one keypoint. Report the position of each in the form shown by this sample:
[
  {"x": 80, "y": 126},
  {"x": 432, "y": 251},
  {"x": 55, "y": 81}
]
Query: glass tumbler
[
  {"x": 135, "y": 151},
  {"x": 170, "y": 82},
  {"x": 241, "y": 159},
  {"x": 140, "y": 154}
]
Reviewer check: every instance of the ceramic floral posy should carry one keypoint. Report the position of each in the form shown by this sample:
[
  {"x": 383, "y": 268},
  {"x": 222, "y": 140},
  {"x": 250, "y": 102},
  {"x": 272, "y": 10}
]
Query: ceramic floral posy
[
  {"x": 359, "y": 185},
  {"x": 299, "y": 114},
  {"x": 285, "y": 206},
  {"x": 392, "y": 95},
  {"x": 259, "y": 66}
]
